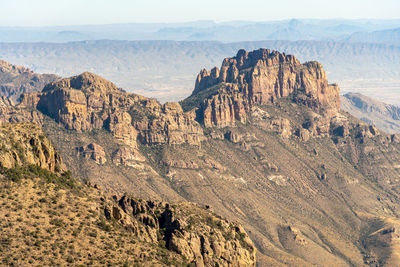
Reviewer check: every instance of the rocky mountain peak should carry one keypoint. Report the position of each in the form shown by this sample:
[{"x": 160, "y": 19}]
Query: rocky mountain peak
[
  {"x": 224, "y": 96},
  {"x": 86, "y": 82}
]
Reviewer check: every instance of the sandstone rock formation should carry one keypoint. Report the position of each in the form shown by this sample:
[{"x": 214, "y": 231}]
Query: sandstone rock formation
[
  {"x": 203, "y": 238},
  {"x": 127, "y": 156},
  {"x": 11, "y": 113},
  {"x": 16, "y": 80},
  {"x": 170, "y": 126},
  {"x": 94, "y": 152},
  {"x": 22, "y": 144},
  {"x": 257, "y": 78},
  {"x": 86, "y": 102}
]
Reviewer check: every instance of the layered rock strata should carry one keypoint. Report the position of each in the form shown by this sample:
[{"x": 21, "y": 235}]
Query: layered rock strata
[
  {"x": 257, "y": 78},
  {"x": 87, "y": 102}
]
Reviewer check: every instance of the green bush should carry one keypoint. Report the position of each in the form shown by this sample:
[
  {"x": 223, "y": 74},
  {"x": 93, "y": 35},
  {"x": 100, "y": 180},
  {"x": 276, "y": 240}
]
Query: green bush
[{"x": 16, "y": 174}]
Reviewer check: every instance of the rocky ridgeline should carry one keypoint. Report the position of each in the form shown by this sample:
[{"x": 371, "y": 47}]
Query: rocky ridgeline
[
  {"x": 258, "y": 78},
  {"x": 16, "y": 80},
  {"x": 202, "y": 237},
  {"x": 220, "y": 98},
  {"x": 26, "y": 144},
  {"x": 86, "y": 102}
]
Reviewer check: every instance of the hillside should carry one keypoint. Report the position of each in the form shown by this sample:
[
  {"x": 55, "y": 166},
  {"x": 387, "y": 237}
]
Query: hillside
[
  {"x": 167, "y": 69},
  {"x": 261, "y": 140},
  {"x": 382, "y": 115},
  {"x": 70, "y": 223}
]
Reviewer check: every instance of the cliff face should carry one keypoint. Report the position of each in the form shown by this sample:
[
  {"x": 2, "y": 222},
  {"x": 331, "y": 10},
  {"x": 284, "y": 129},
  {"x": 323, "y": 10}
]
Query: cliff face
[
  {"x": 199, "y": 235},
  {"x": 258, "y": 78},
  {"x": 86, "y": 102},
  {"x": 309, "y": 184},
  {"x": 16, "y": 80},
  {"x": 11, "y": 113},
  {"x": 23, "y": 144}
]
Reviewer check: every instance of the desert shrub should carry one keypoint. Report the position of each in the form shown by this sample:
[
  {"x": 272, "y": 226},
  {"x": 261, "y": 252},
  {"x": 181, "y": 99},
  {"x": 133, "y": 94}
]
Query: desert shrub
[
  {"x": 16, "y": 174},
  {"x": 93, "y": 233},
  {"x": 57, "y": 222},
  {"x": 103, "y": 225}
]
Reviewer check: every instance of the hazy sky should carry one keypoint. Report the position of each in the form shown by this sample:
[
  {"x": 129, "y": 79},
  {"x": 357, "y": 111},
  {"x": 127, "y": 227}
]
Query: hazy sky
[{"x": 72, "y": 12}]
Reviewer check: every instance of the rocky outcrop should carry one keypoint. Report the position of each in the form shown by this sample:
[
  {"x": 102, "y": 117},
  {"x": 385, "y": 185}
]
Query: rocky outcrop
[
  {"x": 16, "y": 80},
  {"x": 127, "y": 156},
  {"x": 170, "y": 126},
  {"x": 10, "y": 113},
  {"x": 26, "y": 144},
  {"x": 141, "y": 232},
  {"x": 86, "y": 102},
  {"x": 203, "y": 238},
  {"x": 181, "y": 164},
  {"x": 93, "y": 151},
  {"x": 82, "y": 102},
  {"x": 258, "y": 78}
]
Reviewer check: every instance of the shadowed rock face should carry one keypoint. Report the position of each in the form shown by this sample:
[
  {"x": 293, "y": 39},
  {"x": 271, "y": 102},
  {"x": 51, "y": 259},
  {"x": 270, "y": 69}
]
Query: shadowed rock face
[
  {"x": 199, "y": 235},
  {"x": 258, "y": 78},
  {"x": 16, "y": 80}
]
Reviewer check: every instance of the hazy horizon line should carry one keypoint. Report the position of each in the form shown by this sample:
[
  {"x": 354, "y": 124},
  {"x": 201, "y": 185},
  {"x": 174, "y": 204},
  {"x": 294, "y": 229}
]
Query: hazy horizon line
[{"x": 203, "y": 20}]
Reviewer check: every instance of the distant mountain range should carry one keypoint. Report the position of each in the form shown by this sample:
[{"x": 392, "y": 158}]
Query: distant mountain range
[
  {"x": 166, "y": 69},
  {"x": 391, "y": 36},
  {"x": 233, "y": 31}
]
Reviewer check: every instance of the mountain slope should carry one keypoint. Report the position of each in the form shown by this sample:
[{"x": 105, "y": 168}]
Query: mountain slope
[
  {"x": 261, "y": 141},
  {"x": 383, "y": 116},
  {"x": 70, "y": 223}
]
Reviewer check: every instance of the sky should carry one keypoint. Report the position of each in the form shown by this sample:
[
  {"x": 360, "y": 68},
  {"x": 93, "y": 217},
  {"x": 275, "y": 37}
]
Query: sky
[{"x": 78, "y": 12}]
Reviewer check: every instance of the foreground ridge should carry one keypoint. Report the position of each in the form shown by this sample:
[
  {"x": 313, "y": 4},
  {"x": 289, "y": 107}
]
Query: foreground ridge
[{"x": 72, "y": 223}]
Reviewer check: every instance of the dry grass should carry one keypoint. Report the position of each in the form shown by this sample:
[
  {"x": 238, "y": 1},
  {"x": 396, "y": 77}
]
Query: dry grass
[{"x": 44, "y": 224}]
